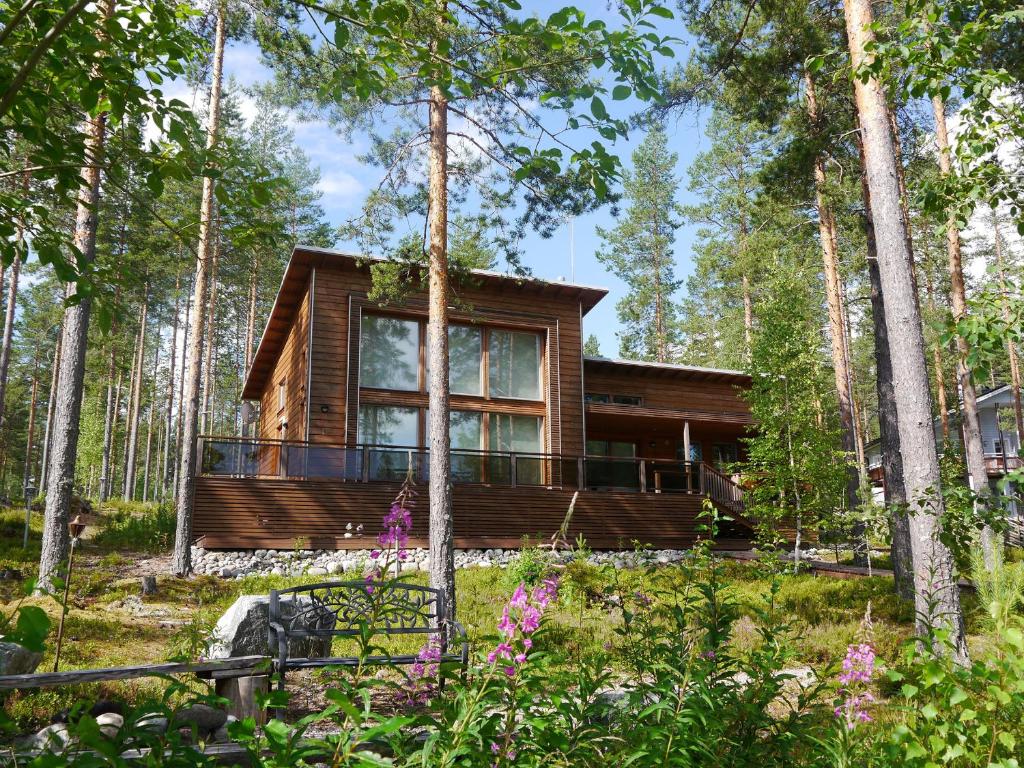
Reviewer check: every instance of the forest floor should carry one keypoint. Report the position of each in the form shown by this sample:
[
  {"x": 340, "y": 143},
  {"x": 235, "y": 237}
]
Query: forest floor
[{"x": 110, "y": 624}]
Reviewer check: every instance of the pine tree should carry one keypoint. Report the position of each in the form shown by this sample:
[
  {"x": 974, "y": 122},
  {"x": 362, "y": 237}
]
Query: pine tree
[{"x": 638, "y": 250}]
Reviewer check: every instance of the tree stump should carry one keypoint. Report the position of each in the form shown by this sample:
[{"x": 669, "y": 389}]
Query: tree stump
[
  {"x": 241, "y": 692},
  {"x": 149, "y": 585}
]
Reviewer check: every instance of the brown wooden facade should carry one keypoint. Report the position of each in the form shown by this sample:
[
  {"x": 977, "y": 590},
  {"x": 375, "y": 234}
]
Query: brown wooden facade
[{"x": 306, "y": 375}]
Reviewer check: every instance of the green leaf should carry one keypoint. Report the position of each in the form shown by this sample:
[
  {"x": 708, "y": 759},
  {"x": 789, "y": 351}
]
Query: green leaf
[
  {"x": 621, "y": 92},
  {"x": 597, "y": 109}
]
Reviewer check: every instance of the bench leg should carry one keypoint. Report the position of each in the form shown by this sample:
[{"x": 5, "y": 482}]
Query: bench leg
[{"x": 241, "y": 692}]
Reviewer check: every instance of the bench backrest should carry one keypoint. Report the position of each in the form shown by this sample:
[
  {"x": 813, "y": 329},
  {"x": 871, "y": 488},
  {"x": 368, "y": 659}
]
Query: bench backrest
[{"x": 340, "y": 608}]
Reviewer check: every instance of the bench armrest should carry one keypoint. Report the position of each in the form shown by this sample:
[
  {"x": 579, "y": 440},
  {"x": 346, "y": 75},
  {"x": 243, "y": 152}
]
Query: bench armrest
[
  {"x": 279, "y": 638},
  {"x": 461, "y": 632}
]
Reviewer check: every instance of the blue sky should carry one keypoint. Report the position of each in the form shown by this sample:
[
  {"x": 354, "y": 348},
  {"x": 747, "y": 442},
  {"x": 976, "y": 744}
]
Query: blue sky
[{"x": 345, "y": 182}]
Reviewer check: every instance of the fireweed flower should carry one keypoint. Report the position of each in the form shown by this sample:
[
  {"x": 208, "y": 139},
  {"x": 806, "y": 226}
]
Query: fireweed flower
[
  {"x": 520, "y": 618},
  {"x": 392, "y": 542},
  {"x": 858, "y": 669},
  {"x": 423, "y": 672}
]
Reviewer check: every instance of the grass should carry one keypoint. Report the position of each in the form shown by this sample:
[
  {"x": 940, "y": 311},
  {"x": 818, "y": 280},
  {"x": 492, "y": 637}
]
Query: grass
[{"x": 825, "y": 613}]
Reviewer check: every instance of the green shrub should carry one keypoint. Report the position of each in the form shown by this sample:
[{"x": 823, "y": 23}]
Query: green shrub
[{"x": 140, "y": 528}]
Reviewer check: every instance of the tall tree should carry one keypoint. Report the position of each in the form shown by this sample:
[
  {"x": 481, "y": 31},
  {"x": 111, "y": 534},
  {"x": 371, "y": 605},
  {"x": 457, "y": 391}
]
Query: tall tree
[
  {"x": 937, "y": 596},
  {"x": 639, "y": 251},
  {"x": 188, "y": 445},
  {"x": 463, "y": 84}
]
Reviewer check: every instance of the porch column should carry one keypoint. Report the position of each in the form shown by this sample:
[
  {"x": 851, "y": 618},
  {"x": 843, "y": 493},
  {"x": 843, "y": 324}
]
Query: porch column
[{"x": 686, "y": 455}]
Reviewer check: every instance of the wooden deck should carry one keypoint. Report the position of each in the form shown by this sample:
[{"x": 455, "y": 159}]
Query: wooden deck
[{"x": 265, "y": 513}]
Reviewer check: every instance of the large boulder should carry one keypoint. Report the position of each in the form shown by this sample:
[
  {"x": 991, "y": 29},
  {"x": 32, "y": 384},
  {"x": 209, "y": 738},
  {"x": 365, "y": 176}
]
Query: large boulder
[
  {"x": 244, "y": 629},
  {"x": 18, "y": 660}
]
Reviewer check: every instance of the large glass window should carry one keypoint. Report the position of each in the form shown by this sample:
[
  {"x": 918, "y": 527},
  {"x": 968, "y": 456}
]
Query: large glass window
[
  {"x": 388, "y": 425},
  {"x": 465, "y": 429},
  {"x": 389, "y": 353},
  {"x": 465, "y": 351},
  {"x": 514, "y": 365},
  {"x": 517, "y": 434}
]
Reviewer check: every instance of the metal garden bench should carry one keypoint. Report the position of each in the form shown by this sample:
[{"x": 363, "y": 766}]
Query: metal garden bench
[{"x": 309, "y": 617}]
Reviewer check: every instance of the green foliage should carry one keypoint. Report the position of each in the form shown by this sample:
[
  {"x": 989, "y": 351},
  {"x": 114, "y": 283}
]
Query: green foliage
[
  {"x": 138, "y": 528},
  {"x": 639, "y": 251},
  {"x": 527, "y": 567}
]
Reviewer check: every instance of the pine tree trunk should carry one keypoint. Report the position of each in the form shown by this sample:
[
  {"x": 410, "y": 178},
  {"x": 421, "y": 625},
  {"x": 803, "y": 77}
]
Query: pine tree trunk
[
  {"x": 118, "y": 388},
  {"x": 888, "y": 422},
  {"x": 26, "y": 479},
  {"x": 1011, "y": 347},
  {"x": 974, "y": 448},
  {"x": 211, "y": 330},
  {"x": 5, "y": 344},
  {"x": 108, "y": 427},
  {"x": 837, "y": 332},
  {"x": 70, "y": 382},
  {"x": 937, "y": 596},
  {"x": 149, "y": 427},
  {"x": 165, "y": 477},
  {"x": 132, "y": 443},
  {"x": 937, "y": 362},
  {"x": 182, "y": 563},
  {"x": 748, "y": 319},
  {"x": 44, "y": 464},
  {"x": 442, "y": 534},
  {"x": 250, "y": 338},
  {"x": 181, "y": 387}
]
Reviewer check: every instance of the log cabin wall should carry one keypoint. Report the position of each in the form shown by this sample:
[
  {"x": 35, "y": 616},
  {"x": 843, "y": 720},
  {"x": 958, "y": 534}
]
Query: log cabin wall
[
  {"x": 290, "y": 371},
  {"x": 339, "y": 297}
]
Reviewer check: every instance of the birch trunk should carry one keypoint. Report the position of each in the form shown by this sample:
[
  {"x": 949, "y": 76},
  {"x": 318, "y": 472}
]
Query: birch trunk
[
  {"x": 974, "y": 448},
  {"x": 5, "y": 345},
  {"x": 182, "y": 563},
  {"x": 442, "y": 534},
  {"x": 181, "y": 387},
  {"x": 132, "y": 443},
  {"x": 118, "y": 387},
  {"x": 250, "y": 338},
  {"x": 63, "y": 447},
  {"x": 937, "y": 595}
]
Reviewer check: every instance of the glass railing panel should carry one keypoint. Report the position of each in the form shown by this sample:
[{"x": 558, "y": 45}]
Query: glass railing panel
[
  {"x": 389, "y": 464},
  {"x": 530, "y": 470},
  {"x": 612, "y": 474}
]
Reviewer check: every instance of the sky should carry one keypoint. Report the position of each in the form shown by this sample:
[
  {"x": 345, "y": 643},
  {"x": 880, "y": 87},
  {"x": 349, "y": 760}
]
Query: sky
[{"x": 344, "y": 183}]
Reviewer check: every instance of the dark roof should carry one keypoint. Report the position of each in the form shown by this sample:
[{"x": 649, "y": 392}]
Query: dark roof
[
  {"x": 305, "y": 258},
  {"x": 693, "y": 372}
]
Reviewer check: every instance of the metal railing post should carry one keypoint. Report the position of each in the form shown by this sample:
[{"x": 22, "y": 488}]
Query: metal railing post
[
  {"x": 364, "y": 464},
  {"x": 581, "y": 479}
]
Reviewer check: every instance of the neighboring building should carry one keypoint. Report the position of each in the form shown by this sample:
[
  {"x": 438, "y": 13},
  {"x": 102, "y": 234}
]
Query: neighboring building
[
  {"x": 341, "y": 383},
  {"x": 1001, "y": 442}
]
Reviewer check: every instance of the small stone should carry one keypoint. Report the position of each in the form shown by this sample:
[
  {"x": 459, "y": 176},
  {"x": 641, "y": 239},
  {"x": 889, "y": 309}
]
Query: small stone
[
  {"x": 276, "y": 571},
  {"x": 317, "y": 570},
  {"x": 53, "y": 738},
  {"x": 18, "y": 660},
  {"x": 110, "y": 723},
  {"x": 206, "y": 719},
  {"x": 334, "y": 568},
  {"x": 152, "y": 723}
]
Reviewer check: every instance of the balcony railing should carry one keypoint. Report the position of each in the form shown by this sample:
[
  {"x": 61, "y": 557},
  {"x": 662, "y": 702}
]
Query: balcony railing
[{"x": 244, "y": 457}]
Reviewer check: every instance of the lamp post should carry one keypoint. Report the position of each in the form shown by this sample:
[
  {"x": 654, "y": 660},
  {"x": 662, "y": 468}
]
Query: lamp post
[{"x": 75, "y": 527}]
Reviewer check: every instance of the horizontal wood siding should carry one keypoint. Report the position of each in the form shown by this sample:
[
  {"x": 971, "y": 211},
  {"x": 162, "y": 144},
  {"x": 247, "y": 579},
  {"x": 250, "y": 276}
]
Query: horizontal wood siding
[
  {"x": 250, "y": 513},
  {"x": 290, "y": 367},
  {"x": 341, "y": 298},
  {"x": 671, "y": 390}
]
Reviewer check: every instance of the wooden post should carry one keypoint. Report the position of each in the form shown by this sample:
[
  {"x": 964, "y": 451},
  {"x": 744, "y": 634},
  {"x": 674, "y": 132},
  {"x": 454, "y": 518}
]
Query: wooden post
[
  {"x": 643, "y": 476},
  {"x": 512, "y": 470},
  {"x": 241, "y": 692},
  {"x": 686, "y": 456}
]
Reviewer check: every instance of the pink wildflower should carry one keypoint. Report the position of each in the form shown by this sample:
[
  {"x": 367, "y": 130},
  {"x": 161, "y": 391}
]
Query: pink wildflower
[
  {"x": 858, "y": 669},
  {"x": 520, "y": 618}
]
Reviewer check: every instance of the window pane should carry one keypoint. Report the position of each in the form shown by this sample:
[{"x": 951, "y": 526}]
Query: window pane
[
  {"x": 514, "y": 365},
  {"x": 389, "y": 353},
  {"x": 519, "y": 434},
  {"x": 464, "y": 356},
  {"x": 466, "y": 432},
  {"x": 388, "y": 425}
]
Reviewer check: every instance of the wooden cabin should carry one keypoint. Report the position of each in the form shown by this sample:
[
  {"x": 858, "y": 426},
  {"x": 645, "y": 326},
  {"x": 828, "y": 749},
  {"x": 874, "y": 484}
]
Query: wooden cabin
[{"x": 342, "y": 390}]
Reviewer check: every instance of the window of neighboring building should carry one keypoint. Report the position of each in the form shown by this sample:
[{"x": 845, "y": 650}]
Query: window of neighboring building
[
  {"x": 389, "y": 353},
  {"x": 282, "y": 395},
  {"x": 514, "y": 364},
  {"x": 594, "y": 397},
  {"x": 696, "y": 454},
  {"x": 388, "y": 425}
]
